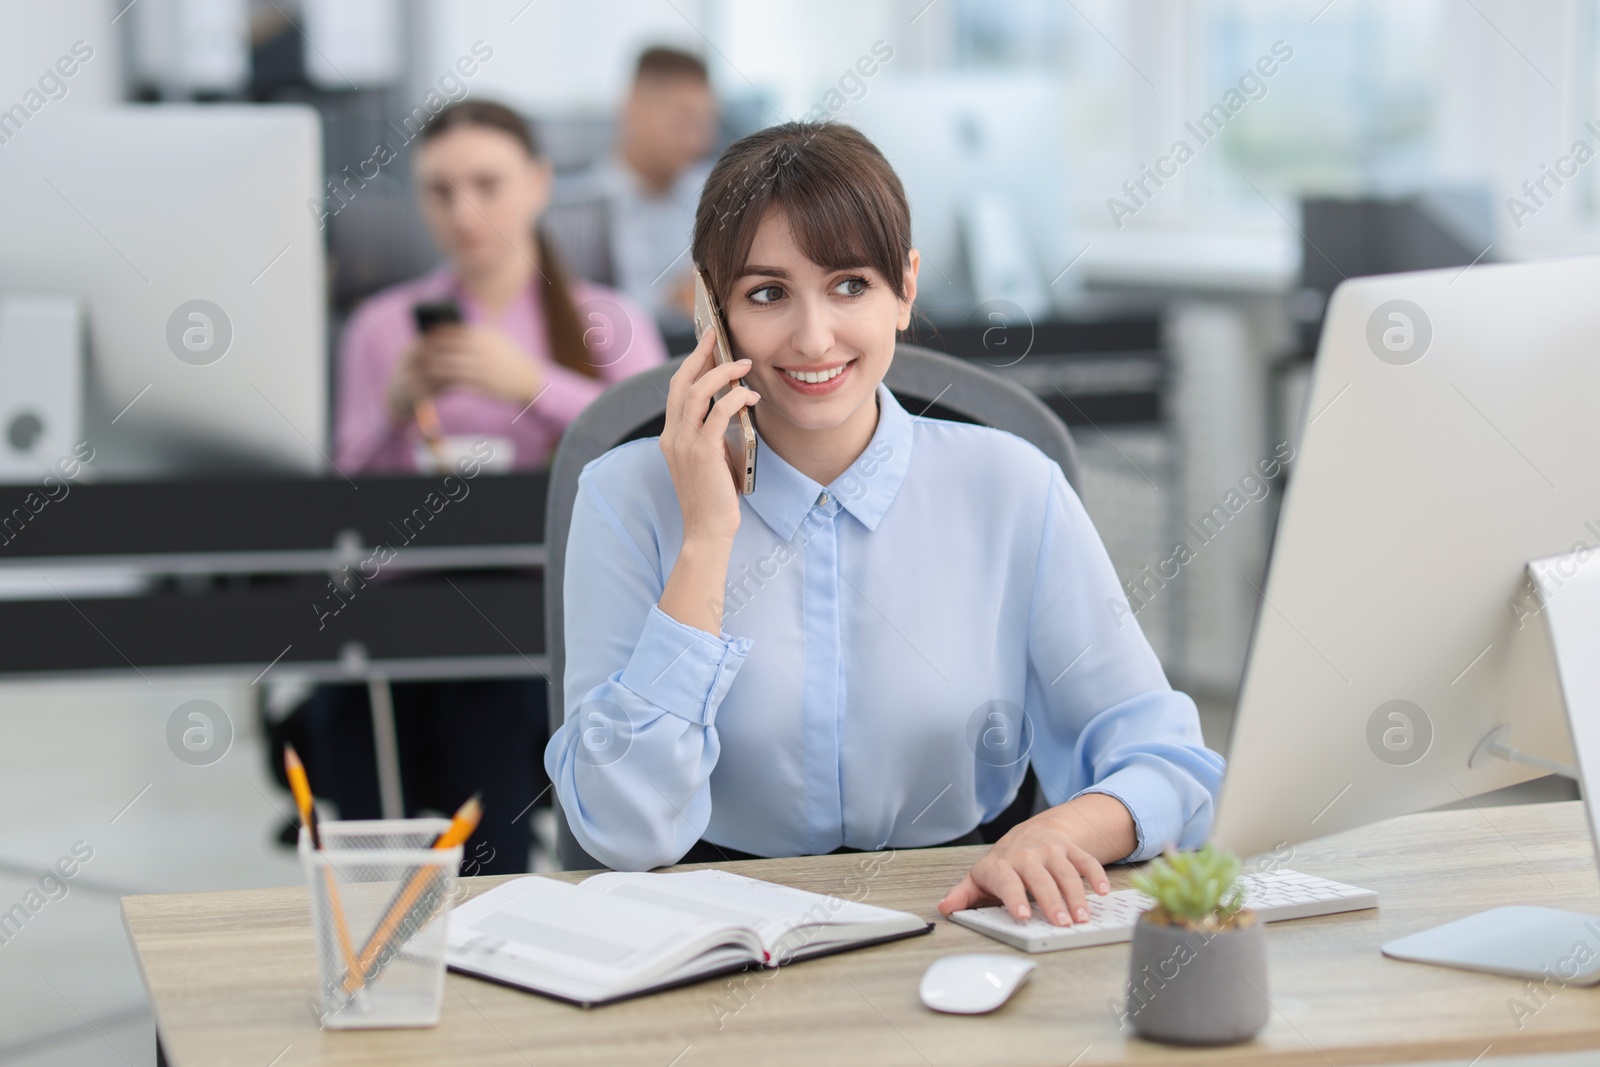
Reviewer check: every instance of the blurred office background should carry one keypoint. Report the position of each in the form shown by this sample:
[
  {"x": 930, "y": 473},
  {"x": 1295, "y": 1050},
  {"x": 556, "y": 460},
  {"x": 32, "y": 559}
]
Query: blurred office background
[{"x": 1164, "y": 301}]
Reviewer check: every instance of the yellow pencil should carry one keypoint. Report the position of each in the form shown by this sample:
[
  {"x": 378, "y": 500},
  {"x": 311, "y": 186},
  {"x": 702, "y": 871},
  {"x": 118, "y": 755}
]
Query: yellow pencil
[
  {"x": 301, "y": 787},
  {"x": 461, "y": 827},
  {"x": 427, "y": 416}
]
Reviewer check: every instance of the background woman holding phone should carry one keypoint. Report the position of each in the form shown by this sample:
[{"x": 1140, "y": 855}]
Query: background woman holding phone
[
  {"x": 813, "y": 666},
  {"x": 497, "y": 345},
  {"x": 531, "y": 347}
]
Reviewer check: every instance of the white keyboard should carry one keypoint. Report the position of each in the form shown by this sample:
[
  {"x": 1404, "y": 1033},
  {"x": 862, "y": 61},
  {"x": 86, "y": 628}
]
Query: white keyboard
[{"x": 1273, "y": 895}]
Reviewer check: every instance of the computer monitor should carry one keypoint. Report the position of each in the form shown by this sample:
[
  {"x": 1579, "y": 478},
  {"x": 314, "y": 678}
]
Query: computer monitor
[
  {"x": 191, "y": 236},
  {"x": 1350, "y": 237},
  {"x": 1449, "y": 442},
  {"x": 982, "y": 157}
]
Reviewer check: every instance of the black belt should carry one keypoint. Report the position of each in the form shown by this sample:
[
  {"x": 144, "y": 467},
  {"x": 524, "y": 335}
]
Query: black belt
[{"x": 704, "y": 851}]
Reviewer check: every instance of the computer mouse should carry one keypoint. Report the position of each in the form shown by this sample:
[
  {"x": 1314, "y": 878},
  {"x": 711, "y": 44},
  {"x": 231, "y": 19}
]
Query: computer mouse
[{"x": 973, "y": 983}]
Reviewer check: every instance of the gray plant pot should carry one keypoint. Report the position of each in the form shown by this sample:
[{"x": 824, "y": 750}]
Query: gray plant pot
[{"x": 1190, "y": 987}]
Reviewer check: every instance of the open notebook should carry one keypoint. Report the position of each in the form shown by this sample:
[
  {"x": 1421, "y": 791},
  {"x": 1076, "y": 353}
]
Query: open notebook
[{"x": 616, "y": 935}]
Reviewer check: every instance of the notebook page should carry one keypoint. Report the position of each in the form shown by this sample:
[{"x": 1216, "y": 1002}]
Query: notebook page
[
  {"x": 567, "y": 932},
  {"x": 771, "y": 910}
]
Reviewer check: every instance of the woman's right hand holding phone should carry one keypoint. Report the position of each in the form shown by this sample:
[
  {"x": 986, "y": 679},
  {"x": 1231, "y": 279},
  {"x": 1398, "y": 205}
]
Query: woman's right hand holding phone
[
  {"x": 694, "y": 444},
  {"x": 409, "y": 383}
]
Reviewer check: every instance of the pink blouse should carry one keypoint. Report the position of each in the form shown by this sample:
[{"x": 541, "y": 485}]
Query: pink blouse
[{"x": 623, "y": 339}]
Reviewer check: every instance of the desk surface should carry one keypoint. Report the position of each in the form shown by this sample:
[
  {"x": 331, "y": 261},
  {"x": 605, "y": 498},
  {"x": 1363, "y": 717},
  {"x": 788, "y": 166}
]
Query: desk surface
[{"x": 231, "y": 975}]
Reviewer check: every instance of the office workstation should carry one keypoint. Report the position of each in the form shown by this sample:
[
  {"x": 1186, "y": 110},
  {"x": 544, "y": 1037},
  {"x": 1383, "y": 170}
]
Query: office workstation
[{"x": 660, "y": 533}]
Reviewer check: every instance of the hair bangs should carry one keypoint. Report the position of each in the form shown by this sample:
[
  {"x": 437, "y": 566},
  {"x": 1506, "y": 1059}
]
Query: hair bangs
[{"x": 843, "y": 202}]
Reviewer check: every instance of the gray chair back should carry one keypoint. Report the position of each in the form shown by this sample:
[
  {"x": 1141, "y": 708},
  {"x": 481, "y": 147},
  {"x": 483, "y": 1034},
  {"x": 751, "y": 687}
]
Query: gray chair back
[
  {"x": 925, "y": 382},
  {"x": 578, "y": 223}
]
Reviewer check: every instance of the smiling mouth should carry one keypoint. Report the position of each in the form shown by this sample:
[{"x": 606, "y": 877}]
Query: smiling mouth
[{"x": 815, "y": 377}]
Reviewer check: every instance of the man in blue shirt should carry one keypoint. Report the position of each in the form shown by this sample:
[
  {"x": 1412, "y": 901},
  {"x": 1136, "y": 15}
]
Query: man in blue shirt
[{"x": 647, "y": 188}]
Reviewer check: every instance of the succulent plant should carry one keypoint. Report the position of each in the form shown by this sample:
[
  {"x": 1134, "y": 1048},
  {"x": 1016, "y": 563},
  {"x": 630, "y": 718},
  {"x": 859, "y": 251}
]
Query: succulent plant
[{"x": 1196, "y": 888}]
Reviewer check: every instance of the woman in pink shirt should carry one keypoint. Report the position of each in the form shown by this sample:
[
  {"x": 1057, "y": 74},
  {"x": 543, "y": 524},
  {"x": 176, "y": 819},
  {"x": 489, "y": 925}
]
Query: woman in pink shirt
[{"x": 534, "y": 347}]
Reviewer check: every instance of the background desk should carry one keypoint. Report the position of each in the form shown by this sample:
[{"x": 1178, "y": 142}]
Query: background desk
[
  {"x": 230, "y": 575},
  {"x": 231, "y": 975}
]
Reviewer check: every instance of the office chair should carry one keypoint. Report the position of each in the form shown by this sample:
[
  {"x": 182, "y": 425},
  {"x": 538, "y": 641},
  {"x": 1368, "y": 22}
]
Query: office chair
[
  {"x": 377, "y": 239},
  {"x": 926, "y": 383},
  {"x": 578, "y": 223}
]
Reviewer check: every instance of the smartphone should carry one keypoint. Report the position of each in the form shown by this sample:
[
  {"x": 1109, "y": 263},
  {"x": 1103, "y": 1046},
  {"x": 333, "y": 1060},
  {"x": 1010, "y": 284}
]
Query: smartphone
[
  {"x": 741, "y": 435},
  {"x": 428, "y": 315},
  {"x": 435, "y": 313}
]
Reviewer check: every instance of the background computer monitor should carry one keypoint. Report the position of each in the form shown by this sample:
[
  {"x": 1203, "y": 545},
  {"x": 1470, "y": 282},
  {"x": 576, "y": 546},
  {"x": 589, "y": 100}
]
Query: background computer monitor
[
  {"x": 982, "y": 158},
  {"x": 1444, "y": 449},
  {"x": 153, "y": 216},
  {"x": 1355, "y": 236}
]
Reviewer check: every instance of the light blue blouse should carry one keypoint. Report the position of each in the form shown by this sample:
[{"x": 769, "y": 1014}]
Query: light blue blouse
[{"x": 899, "y": 645}]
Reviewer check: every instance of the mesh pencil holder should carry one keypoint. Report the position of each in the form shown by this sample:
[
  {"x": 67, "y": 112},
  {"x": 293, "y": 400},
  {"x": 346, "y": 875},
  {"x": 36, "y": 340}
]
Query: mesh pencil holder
[{"x": 380, "y": 907}]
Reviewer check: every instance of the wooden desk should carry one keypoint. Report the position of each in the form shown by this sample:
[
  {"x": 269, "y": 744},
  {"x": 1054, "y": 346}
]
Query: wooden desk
[{"x": 231, "y": 975}]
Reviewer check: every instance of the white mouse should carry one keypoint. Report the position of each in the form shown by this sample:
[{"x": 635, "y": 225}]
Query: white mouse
[{"x": 974, "y": 983}]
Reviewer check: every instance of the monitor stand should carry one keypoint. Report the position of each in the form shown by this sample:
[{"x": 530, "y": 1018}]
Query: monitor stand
[
  {"x": 1525, "y": 942},
  {"x": 1533, "y": 942}
]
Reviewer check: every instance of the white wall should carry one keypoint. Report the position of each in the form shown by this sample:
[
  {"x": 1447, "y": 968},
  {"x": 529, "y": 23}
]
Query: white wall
[
  {"x": 580, "y": 55},
  {"x": 553, "y": 54},
  {"x": 34, "y": 34},
  {"x": 1515, "y": 94},
  {"x": 797, "y": 50}
]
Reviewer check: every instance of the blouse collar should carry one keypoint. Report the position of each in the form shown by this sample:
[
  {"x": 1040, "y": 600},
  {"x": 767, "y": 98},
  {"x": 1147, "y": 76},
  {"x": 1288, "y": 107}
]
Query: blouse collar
[{"x": 784, "y": 496}]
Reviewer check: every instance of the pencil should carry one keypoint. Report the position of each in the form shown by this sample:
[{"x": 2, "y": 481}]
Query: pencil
[
  {"x": 400, "y": 909},
  {"x": 301, "y": 787},
  {"x": 427, "y": 416}
]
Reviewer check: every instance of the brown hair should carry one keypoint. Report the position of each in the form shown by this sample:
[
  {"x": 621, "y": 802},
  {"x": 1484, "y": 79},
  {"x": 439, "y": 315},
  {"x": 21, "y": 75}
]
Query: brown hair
[
  {"x": 844, "y": 203},
  {"x": 563, "y": 327},
  {"x": 663, "y": 62}
]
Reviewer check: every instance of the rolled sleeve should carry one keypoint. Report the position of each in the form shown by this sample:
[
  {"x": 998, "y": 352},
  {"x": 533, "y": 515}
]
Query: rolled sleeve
[
  {"x": 681, "y": 669},
  {"x": 1148, "y": 795}
]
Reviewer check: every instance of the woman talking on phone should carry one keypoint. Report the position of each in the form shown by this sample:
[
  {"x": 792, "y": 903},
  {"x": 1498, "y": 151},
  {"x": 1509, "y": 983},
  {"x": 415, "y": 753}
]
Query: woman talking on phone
[{"x": 823, "y": 663}]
